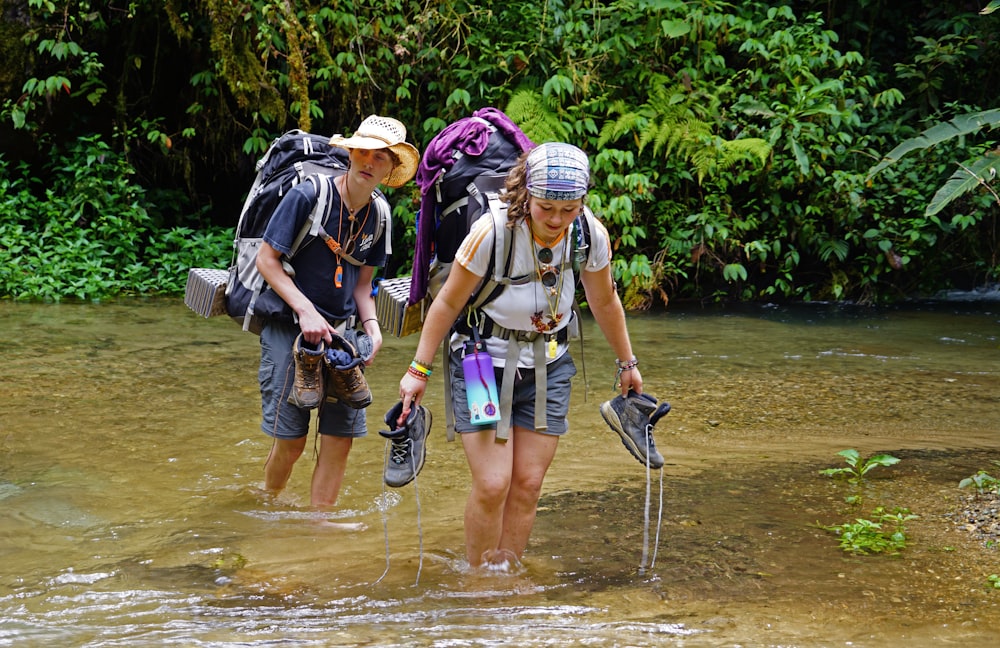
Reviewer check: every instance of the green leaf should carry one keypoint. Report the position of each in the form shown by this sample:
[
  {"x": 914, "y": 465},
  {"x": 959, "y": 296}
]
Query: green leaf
[
  {"x": 675, "y": 28},
  {"x": 981, "y": 171},
  {"x": 961, "y": 125},
  {"x": 734, "y": 271}
]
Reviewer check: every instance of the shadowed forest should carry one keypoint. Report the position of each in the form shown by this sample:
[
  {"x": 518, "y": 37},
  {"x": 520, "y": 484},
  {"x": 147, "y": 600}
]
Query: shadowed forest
[{"x": 741, "y": 151}]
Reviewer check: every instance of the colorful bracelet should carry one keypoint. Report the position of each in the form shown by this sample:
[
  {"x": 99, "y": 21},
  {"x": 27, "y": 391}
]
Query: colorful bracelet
[
  {"x": 628, "y": 365},
  {"x": 420, "y": 368},
  {"x": 416, "y": 374}
]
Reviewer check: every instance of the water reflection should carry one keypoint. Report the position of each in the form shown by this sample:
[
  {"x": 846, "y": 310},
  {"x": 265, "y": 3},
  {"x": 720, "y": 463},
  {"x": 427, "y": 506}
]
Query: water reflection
[{"x": 130, "y": 461}]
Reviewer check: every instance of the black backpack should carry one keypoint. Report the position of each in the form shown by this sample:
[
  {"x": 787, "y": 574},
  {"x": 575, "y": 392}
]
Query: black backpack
[
  {"x": 463, "y": 167},
  {"x": 294, "y": 157},
  {"x": 461, "y": 175}
]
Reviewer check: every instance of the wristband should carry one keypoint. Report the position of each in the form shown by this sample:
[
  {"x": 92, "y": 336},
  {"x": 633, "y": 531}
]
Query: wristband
[
  {"x": 416, "y": 374},
  {"x": 421, "y": 369},
  {"x": 628, "y": 365}
]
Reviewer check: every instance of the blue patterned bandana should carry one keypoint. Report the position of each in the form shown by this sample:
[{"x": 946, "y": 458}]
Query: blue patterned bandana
[{"x": 557, "y": 171}]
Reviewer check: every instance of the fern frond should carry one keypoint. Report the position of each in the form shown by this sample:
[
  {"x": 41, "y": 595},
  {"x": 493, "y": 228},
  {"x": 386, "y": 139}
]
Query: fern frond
[
  {"x": 717, "y": 156},
  {"x": 627, "y": 122},
  {"x": 528, "y": 109}
]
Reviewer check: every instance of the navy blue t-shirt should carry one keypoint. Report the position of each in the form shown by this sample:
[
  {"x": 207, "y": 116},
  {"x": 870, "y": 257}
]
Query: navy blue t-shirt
[{"x": 315, "y": 264}]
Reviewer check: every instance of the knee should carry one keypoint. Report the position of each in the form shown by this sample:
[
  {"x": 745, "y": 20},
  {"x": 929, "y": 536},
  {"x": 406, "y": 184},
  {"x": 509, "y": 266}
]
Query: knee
[
  {"x": 527, "y": 487},
  {"x": 288, "y": 451},
  {"x": 491, "y": 491}
]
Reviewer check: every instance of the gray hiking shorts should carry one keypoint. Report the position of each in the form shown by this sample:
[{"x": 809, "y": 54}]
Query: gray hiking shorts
[
  {"x": 560, "y": 376},
  {"x": 281, "y": 419}
]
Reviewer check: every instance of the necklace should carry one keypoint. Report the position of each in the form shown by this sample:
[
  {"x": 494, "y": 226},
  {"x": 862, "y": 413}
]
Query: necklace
[
  {"x": 551, "y": 278},
  {"x": 338, "y": 249}
]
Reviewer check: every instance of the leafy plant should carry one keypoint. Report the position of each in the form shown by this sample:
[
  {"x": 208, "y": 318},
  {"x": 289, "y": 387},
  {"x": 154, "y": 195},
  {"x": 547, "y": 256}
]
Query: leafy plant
[
  {"x": 857, "y": 467},
  {"x": 983, "y": 481},
  {"x": 95, "y": 233},
  {"x": 978, "y": 172},
  {"x": 994, "y": 581},
  {"x": 883, "y": 533}
]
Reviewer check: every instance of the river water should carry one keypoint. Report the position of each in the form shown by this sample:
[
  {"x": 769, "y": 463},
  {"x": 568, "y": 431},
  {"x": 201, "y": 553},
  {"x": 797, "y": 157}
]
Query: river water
[{"x": 131, "y": 461}]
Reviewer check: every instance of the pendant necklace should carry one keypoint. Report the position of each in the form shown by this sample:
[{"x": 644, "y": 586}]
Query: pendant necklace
[
  {"x": 551, "y": 288},
  {"x": 338, "y": 276}
]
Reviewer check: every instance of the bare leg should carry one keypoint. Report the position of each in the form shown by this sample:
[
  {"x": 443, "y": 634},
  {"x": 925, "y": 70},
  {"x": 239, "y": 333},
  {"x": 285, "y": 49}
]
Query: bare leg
[
  {"x": 331, "y": 465},
  {"x": 490, "y": 465},
  {"x": 280, "y": 461},
  {"x": 533, "y": 455}
]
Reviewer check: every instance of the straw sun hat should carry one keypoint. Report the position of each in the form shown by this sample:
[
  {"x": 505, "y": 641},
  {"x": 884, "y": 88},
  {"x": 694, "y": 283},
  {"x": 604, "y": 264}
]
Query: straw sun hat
[{"x": 377, "y": 132}]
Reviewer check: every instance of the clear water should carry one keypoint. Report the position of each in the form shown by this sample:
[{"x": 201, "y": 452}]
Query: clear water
[{"x": 131, "y": 457}]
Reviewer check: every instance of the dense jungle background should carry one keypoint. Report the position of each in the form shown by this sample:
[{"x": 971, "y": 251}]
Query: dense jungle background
[{"x": 742, "y": 151}]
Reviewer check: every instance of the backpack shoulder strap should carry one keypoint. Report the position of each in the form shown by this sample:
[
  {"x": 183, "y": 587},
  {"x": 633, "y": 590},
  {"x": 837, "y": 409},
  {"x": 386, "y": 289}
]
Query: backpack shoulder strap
[
  {"x": 320, "y": 213},
  {"x": 500, "y": 256},
  {"x": 502, "y": 239},
  {"x": 324, "y": 202},
  {"x": 384, "y": 223}
]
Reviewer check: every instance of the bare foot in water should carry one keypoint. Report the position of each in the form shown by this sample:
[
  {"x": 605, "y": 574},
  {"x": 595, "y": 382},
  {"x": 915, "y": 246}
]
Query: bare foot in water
[
  {"x": 339, "y": 526},
  {"x": 500, "y": 561}
]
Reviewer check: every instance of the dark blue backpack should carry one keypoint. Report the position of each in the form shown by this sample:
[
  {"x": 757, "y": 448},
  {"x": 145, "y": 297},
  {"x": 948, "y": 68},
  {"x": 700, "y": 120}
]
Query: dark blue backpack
[{"x": 292, "y": 158}]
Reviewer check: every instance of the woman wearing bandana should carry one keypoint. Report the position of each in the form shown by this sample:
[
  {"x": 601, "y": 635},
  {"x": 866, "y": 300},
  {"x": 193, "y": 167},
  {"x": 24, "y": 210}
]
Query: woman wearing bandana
[{"x": 525, "y": 330}]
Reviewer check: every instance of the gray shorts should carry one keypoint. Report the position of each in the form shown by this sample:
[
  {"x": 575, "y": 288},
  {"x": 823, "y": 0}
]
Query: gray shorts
[
  {"x": 560, "y": 375},
  {"x": 281, "y": 419}
]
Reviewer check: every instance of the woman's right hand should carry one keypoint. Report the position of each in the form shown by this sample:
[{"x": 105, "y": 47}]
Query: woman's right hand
[{"x": 411, "y": 392}]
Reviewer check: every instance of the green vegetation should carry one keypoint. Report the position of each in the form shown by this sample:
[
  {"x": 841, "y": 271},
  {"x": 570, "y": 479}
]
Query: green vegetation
[
  {"x": 95, "y": 234},
  {"x": 857, "y": 467},
  {"x": 737, "y": 147},
  {"x": 882, "y": 533},
  {"x": 983, "y": 481}
]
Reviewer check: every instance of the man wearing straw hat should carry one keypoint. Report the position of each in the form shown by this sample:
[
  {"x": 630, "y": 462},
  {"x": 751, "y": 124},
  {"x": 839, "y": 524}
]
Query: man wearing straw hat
[{"x": 328, "y": 288}]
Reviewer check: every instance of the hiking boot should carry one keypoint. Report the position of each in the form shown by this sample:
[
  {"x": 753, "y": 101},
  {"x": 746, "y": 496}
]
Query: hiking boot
[
  {"x": 362, "y": 342},
  {"x": 409, "y": 444},
  {"x": 633, "y": 419},
  {"x": 307, "y": 387},
  {"x": 345, "y": 378}
]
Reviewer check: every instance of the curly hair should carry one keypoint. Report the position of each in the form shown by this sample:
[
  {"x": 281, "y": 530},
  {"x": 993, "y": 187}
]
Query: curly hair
[{"x": 516, "y": 194}]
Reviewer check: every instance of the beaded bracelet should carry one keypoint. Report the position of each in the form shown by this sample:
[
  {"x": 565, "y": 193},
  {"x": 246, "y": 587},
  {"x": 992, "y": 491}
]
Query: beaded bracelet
[
  {"x": 628, "y": 365},
  {"x": 420, "y": 368},
  {"x": 417, "y": 374}
]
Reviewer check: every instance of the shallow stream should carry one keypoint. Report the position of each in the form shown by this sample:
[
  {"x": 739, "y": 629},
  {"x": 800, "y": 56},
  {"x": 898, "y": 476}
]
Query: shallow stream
[{"x": 131, "y": 458}]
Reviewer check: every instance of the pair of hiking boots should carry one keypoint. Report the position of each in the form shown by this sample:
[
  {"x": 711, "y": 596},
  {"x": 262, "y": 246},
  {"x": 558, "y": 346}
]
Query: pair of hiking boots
[{"x": 333, "y": 372}]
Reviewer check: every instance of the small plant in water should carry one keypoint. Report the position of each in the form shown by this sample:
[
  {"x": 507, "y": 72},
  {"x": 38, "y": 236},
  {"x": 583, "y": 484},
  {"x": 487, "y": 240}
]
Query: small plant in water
[
  {"x": 856, "y": 469},
  {"x": 884, "y": 533}
]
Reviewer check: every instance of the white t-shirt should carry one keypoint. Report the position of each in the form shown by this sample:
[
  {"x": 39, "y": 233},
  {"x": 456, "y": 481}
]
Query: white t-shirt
[{"x": 529, "y": 306}]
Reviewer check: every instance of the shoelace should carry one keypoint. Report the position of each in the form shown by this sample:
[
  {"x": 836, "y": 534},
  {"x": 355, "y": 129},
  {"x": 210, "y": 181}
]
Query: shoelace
[
  {"x": 659, "y": 516},
  {"x": 401, "y": 451},
  {"x": 310, "y": 380},
  {"x": 310, "y": 376}
]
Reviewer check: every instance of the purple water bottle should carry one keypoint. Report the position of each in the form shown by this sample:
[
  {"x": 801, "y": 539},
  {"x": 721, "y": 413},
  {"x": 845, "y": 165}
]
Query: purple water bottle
[{"x": 480, "y": 384}]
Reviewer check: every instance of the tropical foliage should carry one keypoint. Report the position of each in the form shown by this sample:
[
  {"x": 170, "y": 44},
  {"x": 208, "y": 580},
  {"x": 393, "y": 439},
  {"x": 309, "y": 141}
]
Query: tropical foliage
[{"x": 735, "y": 146}]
